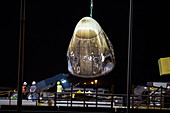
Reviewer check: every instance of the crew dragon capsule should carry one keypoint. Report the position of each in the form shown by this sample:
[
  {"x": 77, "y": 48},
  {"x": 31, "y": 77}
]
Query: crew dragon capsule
[{"x": 90, "y": 53}]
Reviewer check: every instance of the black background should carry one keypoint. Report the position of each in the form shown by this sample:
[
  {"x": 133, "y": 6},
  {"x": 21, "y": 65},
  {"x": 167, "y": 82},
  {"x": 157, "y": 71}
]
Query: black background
[{"x": 49, "y": 28}]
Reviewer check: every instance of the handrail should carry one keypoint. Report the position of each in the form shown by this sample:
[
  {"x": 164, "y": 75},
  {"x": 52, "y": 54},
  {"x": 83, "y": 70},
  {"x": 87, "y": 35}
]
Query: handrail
[{"x": 107, "y": 100}]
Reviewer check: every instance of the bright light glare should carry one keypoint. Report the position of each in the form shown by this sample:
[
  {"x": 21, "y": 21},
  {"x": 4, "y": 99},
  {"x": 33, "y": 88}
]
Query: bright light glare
[
  {"x": 95, "y": 81},
  {"x": 63, "y": 81}
]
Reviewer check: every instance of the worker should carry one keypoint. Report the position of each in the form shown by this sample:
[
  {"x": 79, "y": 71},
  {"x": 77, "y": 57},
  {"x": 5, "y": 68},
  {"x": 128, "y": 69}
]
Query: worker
[
  {"x": 24, "y": 90},
  {"x": 24, "y": 87},
  {"x": 33, "y": 90},
  {"x": 59, "y": 89}
]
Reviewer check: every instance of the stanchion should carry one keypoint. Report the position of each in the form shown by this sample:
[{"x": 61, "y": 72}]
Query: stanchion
[
  {"x": 36, "y": 98},
  {"x": 96, "y": 94},
  {"x": 84, "y": 96},
  {"x": 55, "y": 94},
  {"x": 132, "y": 96},
  {"x": 67, "y": 100},
  {"x": 9, "y": 98},
  {"x": 71, "y": 93},
  {"x": 112, "y": 101},
  {"x": 55, "y": 98},
  {"x": 161, "y": 99},
  {"x": 148, "y": 98}
]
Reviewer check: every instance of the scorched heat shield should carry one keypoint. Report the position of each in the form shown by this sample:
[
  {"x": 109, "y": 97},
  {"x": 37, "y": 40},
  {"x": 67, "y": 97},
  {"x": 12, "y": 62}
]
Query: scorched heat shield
[{"x": 90, "y": 53}]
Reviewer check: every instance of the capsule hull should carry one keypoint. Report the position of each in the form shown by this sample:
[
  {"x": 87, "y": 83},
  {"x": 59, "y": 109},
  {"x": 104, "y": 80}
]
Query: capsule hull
[{"x": 90, "y": 53}]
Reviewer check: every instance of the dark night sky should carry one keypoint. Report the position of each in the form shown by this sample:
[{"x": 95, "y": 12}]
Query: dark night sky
[{"x": 49, "y": 28}]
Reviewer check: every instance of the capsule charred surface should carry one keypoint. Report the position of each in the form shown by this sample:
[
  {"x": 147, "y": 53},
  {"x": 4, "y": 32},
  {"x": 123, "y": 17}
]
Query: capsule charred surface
[{"x": 90, "y": 53}]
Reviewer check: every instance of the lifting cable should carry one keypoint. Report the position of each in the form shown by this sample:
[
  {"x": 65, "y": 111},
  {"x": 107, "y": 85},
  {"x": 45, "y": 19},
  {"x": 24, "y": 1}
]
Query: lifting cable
[{"x": 91, "y": 8}]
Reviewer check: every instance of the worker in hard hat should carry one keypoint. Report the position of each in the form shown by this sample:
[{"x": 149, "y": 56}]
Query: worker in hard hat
[
  {"x": 33, "y": 90},
  {"x": 24, "y": 90},
  {"x": 59, "y": 89}
]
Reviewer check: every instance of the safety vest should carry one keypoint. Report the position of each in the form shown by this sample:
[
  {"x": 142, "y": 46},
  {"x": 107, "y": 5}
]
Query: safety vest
[
  {"x": 59, "y": 88},
  {"x": 24, "y": 89}
]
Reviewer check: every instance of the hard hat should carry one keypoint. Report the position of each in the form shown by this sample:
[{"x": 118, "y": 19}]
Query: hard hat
[
  {"x": 168, "y": 87},
  {"x": 145, "y": 88},
  {"x": 79, "y": 91},
  {"x": 89, "y": 92},
  {"x": 25, "y": 83},
  {"x": 58, "y": 83},
  {"x": 33, "y": 83}
]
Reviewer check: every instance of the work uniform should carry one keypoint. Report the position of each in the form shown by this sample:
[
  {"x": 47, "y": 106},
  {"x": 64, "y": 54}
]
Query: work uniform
[
  {"x": 24, "y": 91},
  {"x": 59, "y": 90},
  {"x": 32, "y": 90}
]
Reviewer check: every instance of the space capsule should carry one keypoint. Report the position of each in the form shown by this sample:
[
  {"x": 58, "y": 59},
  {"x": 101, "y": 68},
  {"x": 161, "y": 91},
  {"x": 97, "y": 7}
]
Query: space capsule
[{"x": 90, "y": 53}]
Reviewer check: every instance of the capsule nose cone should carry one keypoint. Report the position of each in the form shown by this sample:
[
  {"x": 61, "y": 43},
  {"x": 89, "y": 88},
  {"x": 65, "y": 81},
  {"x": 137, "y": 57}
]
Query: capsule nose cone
[
  {"x": 90, "y": 53},
  {"x": 87, "y": 27}
]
